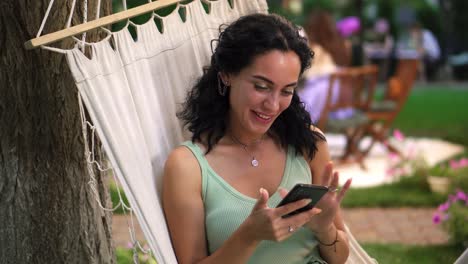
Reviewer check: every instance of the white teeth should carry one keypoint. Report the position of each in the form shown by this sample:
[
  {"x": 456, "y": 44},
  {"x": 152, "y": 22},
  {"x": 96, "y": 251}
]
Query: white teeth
[{"x": 263, "y": 116}]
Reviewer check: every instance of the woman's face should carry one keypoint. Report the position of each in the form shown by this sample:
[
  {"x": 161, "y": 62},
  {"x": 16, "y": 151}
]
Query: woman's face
[{"x": 262, "y": 91}]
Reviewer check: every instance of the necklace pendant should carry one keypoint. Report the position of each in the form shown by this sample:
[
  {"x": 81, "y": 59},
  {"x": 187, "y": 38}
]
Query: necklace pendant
[{"x": 254, "y": 162}]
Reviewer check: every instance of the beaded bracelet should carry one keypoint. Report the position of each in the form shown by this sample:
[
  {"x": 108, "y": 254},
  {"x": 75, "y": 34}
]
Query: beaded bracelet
[{"x": 332, "y": 243}]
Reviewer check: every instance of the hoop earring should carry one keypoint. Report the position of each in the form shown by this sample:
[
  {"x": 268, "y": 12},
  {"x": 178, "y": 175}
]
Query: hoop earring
[{"x": 222, "y": 88}]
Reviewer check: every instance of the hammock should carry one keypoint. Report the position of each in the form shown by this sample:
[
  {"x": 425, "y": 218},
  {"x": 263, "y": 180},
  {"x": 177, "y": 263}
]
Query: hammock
[{"x": 132, "y": 89}]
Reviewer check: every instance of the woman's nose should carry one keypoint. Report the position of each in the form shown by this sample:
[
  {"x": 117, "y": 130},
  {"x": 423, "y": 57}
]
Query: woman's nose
[{"x": 272, "y": 102}]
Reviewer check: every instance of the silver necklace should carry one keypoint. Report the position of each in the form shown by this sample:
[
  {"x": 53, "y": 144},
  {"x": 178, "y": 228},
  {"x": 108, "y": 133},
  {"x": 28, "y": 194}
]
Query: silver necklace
[{"x": 254, "y": 162}]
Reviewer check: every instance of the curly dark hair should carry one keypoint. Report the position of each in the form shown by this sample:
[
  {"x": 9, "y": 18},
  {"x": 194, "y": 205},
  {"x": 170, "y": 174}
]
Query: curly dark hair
[{"x": 205, "y": 110}]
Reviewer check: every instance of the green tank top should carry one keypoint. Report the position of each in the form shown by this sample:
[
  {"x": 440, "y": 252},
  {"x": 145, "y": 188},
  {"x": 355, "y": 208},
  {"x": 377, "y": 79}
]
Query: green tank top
[{"x": 226, "y": 209}]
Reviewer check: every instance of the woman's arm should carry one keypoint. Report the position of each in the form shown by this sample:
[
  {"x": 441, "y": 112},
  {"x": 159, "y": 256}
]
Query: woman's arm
[
  {"x": 184, "y": 211},
  {"x": 328, "y": 226}
]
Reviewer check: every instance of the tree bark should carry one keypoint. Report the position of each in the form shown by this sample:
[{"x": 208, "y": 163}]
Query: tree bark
[{"x": 48, "y": 213}]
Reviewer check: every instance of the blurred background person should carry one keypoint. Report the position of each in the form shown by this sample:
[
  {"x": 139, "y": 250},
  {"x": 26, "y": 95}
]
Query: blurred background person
[
  {"x": 330, "y": 53},
  {"x": 418, "y": 42},
  {"x": 428, "y": 49}
]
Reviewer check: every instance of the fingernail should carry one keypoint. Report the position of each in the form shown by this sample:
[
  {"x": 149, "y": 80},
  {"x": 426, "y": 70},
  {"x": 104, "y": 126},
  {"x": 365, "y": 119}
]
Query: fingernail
[
  {"x": 261, "y": 191},
  {"x": 307, "y": 201}
]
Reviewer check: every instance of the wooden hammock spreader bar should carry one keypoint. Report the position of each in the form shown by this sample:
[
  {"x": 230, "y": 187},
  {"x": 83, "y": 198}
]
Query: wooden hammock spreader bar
[{"x": 100, "y": 22}]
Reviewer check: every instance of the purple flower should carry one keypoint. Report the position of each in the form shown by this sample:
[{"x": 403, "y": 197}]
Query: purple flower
[
  {"x": 463, "y": 162},
  {"x": 453, "y": 164},
  {"x": 436, "y": 219},
  {"x": 457, "y": 164},
  {"x": 390, "y": 172},
  {"x": 398, "y": 135},
  {"x": 444, "y": 207},
  {"x": 462, "y": 196},
  {"x": 348, "y": 26}
]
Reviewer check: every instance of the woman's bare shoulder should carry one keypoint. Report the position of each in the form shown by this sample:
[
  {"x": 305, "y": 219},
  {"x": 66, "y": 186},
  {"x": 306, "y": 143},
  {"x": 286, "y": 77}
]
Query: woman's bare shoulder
[
  {"x": 182, "y": 165},
  {"x": 316, "y": 129}
]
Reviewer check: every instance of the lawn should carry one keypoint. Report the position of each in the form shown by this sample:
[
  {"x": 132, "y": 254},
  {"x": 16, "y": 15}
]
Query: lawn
[
  {"x": 395, "y": 253},
  {"x": 436, "y": 110},
  {"x": 412, "y": 191}
]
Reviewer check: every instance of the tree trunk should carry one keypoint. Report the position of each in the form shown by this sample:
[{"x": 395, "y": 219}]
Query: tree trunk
[{"x": 48, "y": 213}]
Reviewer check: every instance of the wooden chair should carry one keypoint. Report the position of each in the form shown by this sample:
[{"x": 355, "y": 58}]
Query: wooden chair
[
  {"x": 383, "y": 113},
  {"x": 347, "y": 96}
]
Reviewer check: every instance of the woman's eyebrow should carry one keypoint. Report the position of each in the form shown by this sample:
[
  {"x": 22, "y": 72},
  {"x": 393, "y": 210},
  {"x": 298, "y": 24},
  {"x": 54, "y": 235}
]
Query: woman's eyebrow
[{"x": 271, "y": 82}]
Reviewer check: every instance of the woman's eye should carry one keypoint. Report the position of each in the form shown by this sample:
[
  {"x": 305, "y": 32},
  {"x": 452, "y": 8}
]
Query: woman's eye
[
  {"x": 288, "y": 92},
  {"x": 260, "y": 87}
]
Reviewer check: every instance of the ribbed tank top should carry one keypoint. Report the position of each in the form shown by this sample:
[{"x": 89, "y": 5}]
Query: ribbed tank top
[{"x": 226, "y": 209}]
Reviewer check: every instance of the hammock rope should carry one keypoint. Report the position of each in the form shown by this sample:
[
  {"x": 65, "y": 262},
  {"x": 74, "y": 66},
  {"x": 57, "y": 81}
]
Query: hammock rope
[{"x": 93, "y": 163}]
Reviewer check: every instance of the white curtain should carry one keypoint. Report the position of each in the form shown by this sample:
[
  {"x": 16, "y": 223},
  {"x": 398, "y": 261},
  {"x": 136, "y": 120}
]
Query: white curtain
[{"x": 132, "y": 91}]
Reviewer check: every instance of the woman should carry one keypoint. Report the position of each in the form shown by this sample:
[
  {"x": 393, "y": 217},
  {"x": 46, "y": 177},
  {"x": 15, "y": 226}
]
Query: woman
[
  {"x": 251, "y": 136},
  {"x": 323, "y": 35},
  {"x": 330, "y": 53}
]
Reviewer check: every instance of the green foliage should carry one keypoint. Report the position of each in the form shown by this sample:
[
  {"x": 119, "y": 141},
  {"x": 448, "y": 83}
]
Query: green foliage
[
  {"x": 456, "y": 224},
  {"x": 125, "y": 256},
  {"x": 412, "y": 191},
  {"x": 460, "y": 180},
  {"x": 116, "y": 199},
  {"x": 440, "y": 170},
  {"x": 326, "y": 5},
  {"x": 395, "y": 253},
  {"x": 117, "y": 6}
]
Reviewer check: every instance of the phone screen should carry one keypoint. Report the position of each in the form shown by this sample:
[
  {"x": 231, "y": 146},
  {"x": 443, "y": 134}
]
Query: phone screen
[{"x": 304, "y": 191}]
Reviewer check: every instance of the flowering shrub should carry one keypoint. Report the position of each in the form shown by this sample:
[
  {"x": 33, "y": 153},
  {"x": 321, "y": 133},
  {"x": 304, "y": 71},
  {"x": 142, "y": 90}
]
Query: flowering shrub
[
  {"x": 453, "y": 215},
  {"x": 458, "y": 164},
  {"x": 409, "y": 161}
]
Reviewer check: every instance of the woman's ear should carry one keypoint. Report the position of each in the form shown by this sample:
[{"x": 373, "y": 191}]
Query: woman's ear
[{"x": 224, "y": 78}]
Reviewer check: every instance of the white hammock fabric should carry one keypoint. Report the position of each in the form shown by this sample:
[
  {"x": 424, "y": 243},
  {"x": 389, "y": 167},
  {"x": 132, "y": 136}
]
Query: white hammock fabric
[{"x": 132, "y": 93}]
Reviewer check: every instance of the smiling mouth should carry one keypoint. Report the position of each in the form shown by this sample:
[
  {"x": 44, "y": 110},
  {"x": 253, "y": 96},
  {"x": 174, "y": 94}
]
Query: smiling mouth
[{"x": 262, "y": 116}]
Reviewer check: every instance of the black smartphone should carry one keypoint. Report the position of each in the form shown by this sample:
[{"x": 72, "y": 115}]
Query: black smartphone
[{"x": 304, "y": 191}]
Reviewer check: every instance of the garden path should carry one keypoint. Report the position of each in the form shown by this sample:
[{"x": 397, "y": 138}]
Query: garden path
[{"x": 411, "y": 226}]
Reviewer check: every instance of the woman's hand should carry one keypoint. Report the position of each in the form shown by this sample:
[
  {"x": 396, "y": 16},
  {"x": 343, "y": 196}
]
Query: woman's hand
[
  {"x": 330, "y": 202},
  {"x": 266, "y": 223}
]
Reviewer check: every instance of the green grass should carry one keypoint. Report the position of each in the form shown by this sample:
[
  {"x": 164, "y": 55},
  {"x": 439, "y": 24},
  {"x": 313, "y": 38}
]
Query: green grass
[
  {"x": 436, "y": 111},
  {"x": 410, "y": 191},
  {"x": 395, "y": 253},
  {"x": 124, "y": 255}
]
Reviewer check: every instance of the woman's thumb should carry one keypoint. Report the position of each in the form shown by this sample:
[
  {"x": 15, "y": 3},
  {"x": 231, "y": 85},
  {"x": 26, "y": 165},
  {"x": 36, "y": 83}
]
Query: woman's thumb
[{"x": 262, "y": 200}]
